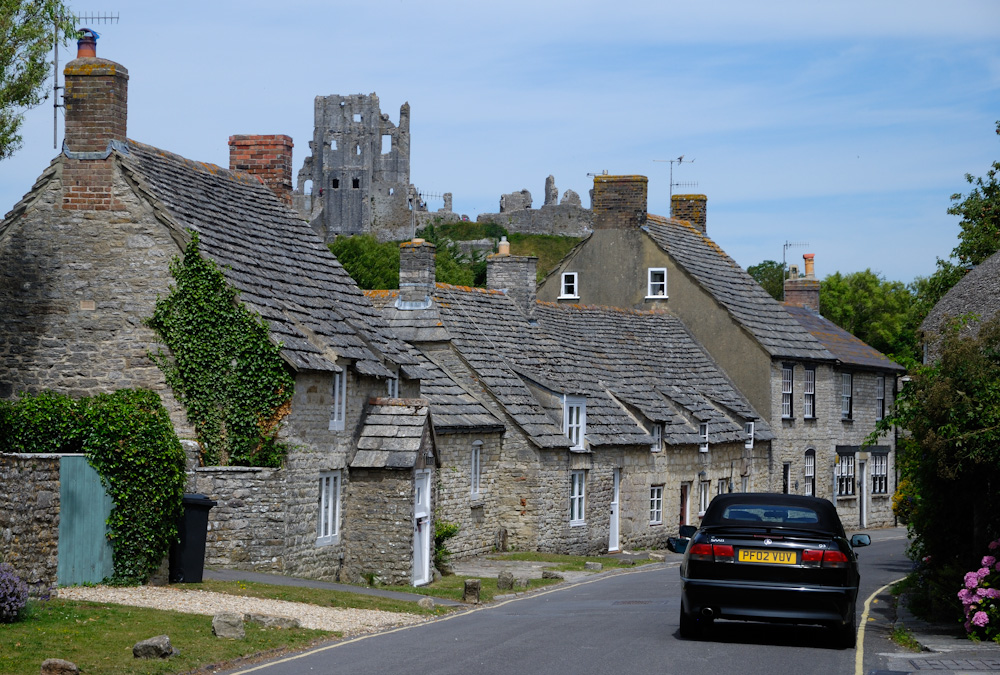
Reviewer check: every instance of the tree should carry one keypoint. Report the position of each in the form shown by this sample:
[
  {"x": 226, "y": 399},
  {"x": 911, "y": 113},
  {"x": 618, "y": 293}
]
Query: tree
[
  {"x": 950, "y": 460},
  {"x": 877, "y": 311},
  {"x": 980, "y": 213},
  {"x": 372, "y": 264},
  {"x": 28, "y": 27},
  {"x": 771, "y": 275}
]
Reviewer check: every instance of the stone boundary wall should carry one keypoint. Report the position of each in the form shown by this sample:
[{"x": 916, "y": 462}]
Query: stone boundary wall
[
  {"x": 29, "y": 517},
  {"x": 246, "y": 529},
  {"x": 378, "y": 505},
  {"x": 567, "y": 220}
]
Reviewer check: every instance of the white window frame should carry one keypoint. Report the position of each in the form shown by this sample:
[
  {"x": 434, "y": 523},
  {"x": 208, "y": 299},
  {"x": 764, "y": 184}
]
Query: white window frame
[
  {"x": 569, "y": 286},
  {"x": 657, "y": 433},
  {"x": 392, "y": 387},
  {"x": 880, "y": 474},
  {"x": 577, "y": 498},
  {"x": 704, "y": 496},
  {"x": 810, "y": 473},
  {"x": 328, "y": 522},
  {"x": 879, "y": 397},
  {"x": 575, "y": 420},
  {"x": 748, "y": 428},
  {"x": 338, "y": 401},
  {"x": 656, "y": 505},
  {"x": 846, "y": 395},
  {"x": 845, "y": 472},
  {"x": 476, "y": 468},
  {"x": 703, "y": 437},
  {"x": 745, "y": 484},
  {"x": 722, "y": 485},
  {"x": 809, "y": 394},
  {"x": 787, "y": 384},
  {"x": 656, "y": 288}
]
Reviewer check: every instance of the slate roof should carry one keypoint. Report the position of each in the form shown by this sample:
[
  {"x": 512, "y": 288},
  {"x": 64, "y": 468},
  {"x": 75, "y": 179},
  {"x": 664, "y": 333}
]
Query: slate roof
[
  {"x": 978, "y": 292},
  {"x": 848, "y": 349},
  {"x": 453, "y": 408},
  {"x": 650, "y": 361},
  {"x": 749, "y": 304},
  {"x": 272, "y": 257},
  {"x": 393, "y": 433}
]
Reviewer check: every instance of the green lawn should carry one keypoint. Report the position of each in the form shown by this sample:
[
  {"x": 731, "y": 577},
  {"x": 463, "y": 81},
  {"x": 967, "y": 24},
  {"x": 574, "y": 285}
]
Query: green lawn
[
  {"x": 98, "y": 638},
  {"x": 453, "y": 587}
]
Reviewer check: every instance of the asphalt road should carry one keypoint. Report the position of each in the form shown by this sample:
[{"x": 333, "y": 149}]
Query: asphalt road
[{"x": 610, "y": 623}]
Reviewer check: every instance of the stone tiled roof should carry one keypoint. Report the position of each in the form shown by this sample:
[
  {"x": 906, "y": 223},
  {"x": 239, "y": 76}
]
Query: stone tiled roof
[
  {"x": 749, "y": 304},
  {"x": 978, "y": 292},
  {"x": 483, "y": 325},
  {"x": 277, "y": 263},
  {"x": 393, "y": 433},
  {"x": 453, "y": 408},
  {"x": 650, "y": 361},
  {"x": 845, "y": 347}
]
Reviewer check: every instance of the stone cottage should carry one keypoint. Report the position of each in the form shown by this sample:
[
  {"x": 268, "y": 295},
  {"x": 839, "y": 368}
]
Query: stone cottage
[
  {"x": 819, "y": 406},
  {"x": 613, "y": 420},
  {"x": 84, "y": 257}
]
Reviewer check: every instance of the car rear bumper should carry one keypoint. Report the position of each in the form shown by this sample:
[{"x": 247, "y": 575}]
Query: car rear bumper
[{"x": 756, "y": 601}]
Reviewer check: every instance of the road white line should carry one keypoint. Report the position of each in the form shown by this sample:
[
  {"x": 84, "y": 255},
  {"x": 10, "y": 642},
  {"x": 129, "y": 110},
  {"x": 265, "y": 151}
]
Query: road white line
[
  {"x": 448, "y": 617},
  {"x": 859, "y": 655}
]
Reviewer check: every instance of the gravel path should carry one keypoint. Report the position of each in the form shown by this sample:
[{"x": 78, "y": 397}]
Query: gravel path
[{"x": 346, "y": 621}]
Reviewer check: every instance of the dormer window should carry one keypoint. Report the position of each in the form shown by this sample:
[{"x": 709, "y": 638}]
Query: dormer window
[
  {"x": 570, "y": 285},
  {"x": 703, "y": 437},
  {"x": 656, "y": 282},
  {"x": 748, "y": 428},
  {"x": 657, "y": 433},
  {"x": 575, "y": 420}
]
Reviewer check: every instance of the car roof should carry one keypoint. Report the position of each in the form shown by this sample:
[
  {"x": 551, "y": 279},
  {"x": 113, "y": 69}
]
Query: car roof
[{"x": 827, "y": 518}]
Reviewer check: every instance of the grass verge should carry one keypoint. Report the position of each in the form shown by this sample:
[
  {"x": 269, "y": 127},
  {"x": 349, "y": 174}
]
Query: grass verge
[
  {"x": 453, "y": 587},
  {"x": 902, "y": 637},
  {"x": 567, "y": 563},
  {"x": 317, "y": 596},
  {"x": 98, "y": 638}
]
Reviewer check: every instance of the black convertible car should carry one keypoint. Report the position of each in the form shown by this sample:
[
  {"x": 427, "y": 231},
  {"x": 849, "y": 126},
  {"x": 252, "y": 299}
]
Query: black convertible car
[{"x": 771, "y": 557}]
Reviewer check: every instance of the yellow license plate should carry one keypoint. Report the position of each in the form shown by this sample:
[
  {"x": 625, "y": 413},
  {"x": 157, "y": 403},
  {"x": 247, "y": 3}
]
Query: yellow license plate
[{"x": 756, "y": 555}]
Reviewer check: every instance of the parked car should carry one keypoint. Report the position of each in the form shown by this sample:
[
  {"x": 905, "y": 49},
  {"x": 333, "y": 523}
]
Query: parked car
[{"x": 771, "y": 557}]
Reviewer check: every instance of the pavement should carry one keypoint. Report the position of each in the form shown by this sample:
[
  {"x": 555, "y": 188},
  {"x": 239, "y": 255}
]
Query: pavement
[{"x": 944, "y": 648}]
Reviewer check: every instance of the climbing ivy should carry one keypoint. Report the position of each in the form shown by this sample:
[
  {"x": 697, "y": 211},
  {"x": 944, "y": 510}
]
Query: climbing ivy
[
  {"x": 128, "y": 438},
  {"x": 222, "y": 365}
]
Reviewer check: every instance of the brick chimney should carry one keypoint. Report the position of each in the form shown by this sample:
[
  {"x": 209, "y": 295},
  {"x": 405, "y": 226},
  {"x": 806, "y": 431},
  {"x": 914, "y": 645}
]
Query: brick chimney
[
  {"x": 619, "y": 202},
  {"x": 96, "y": 101},
  {"x": 268, "y": 157},
  {"x": 804, "y": 291},
  {"x": 691, "y": 208},
  {"x": 416, "y": 274},
  {"x": 514, "y": 275}
]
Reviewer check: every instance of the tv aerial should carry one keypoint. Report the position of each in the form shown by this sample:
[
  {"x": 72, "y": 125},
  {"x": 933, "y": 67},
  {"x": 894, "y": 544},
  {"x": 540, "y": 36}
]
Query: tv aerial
[{"x": 680, "y": 160}]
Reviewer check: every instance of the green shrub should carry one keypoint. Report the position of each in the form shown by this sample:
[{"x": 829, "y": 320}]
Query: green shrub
[
  {"x": 48, "y": 422},
  {"x": 443, "y": 531}
]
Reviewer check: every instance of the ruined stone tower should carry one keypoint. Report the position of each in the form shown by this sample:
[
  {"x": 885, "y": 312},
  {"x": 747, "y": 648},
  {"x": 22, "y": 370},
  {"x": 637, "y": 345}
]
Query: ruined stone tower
[{"x": 359, "y": 170}]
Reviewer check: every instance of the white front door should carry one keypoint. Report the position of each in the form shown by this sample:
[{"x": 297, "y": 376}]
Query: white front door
[
  {"x": 862, "y": 495},
  {"x": 421, "y": 528},
  {"x": 613, "y": 530}
]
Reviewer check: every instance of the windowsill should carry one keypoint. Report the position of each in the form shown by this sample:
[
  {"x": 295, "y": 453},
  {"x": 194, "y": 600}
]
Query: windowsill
[
  {"x": 748, "y": 447},
  {"x": 810, "y": 418},
  {"x": 847, "y": 420},
  {"x": 336, "y": 426},
  {"x": 577, "y": 523},
  {"x": 657, "y": 297},
  {"x": 568, "y": 297},
  {"x": 846, "y": 497},
  {"x": 328, "y": 541},
  {"x": 655, "y": 523},
  {"x": 655, "y": 450},
  {"x": 880, "y": 495},
  {"x": 477, "y": 501}
]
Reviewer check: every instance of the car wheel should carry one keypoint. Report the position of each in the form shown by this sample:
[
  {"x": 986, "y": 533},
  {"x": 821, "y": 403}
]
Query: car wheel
[
  {"x": 693, "y": 627},
  {"x": 847, "y": 635}
]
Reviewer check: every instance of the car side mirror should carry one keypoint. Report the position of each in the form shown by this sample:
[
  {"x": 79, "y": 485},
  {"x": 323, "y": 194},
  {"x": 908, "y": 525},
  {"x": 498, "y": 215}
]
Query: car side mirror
[{"x": 860, "y": 540}]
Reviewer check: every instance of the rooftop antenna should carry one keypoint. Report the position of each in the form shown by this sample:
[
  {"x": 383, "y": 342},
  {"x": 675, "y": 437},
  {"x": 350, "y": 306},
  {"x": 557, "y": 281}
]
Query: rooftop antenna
[
  {"x": 91, "y": 18},
  {"x": 680, "y": 160},
  {"x": 784, "y": 265}
]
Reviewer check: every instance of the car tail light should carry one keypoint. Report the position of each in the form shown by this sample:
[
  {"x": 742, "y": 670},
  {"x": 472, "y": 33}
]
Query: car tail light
[
  {"x": 824, "y": 558},
  {"x": 712, "y": 552}
]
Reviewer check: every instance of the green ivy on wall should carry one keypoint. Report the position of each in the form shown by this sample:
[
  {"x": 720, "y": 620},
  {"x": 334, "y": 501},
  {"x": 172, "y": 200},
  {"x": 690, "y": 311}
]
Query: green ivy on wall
[
  {"x": 129, "y": 440},
  {"x": 222, "y": 366}
]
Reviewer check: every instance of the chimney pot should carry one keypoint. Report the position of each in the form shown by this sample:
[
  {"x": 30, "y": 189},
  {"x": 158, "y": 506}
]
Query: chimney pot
[
  {"x": 808, "y": 258},
  {"x": 503, "y": 248},
  {"x": 86, "y": 46}
]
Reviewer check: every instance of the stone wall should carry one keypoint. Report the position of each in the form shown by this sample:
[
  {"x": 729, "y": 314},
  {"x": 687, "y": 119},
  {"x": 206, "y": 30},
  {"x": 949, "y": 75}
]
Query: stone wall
[
  {"x": 475, "y": 514},
  {"x": 567, "y": 220},
  {"x": 246, "y": 528},
  {"x": 378, "y": 506},
  {"x": 29, "y": 517}
]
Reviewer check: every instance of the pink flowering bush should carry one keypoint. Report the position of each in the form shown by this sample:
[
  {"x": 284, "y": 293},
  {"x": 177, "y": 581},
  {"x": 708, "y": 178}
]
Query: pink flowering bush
[{"x": 980, "y": 597}]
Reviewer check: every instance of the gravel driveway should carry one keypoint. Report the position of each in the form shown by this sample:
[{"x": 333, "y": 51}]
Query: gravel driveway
[{"x": 346, "y": 621}]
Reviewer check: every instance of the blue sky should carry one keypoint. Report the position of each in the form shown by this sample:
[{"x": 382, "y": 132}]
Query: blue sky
[{"x": 847, "y": 125}]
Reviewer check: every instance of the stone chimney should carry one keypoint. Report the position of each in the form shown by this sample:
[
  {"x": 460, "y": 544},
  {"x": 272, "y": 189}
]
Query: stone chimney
[
  {"x": 514, "y": 275},
  {"x": 416, "y": 274},
  {"x": 268, "y": 157},
  {"x": 804, "y": 291},
  {"x": 619, "y": 202},
  {"x": 691, "y": 208},
  {"x": 96, "y": 102}
]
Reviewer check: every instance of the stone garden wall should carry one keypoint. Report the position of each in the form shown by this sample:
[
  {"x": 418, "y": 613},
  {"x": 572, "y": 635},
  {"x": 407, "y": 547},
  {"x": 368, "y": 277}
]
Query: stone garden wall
[{"x": 29, "y": 517}]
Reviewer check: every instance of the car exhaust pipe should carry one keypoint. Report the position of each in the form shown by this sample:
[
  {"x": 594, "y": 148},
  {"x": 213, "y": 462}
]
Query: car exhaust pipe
[{"x": 707, "y": 612}]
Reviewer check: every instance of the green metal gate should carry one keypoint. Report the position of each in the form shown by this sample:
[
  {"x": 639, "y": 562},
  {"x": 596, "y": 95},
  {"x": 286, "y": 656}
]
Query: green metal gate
[{"x": 84, "y": 507}]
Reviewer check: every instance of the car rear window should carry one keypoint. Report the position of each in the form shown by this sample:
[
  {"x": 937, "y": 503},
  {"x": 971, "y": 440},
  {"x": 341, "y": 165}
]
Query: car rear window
[{"x": 772, "y": 514}]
